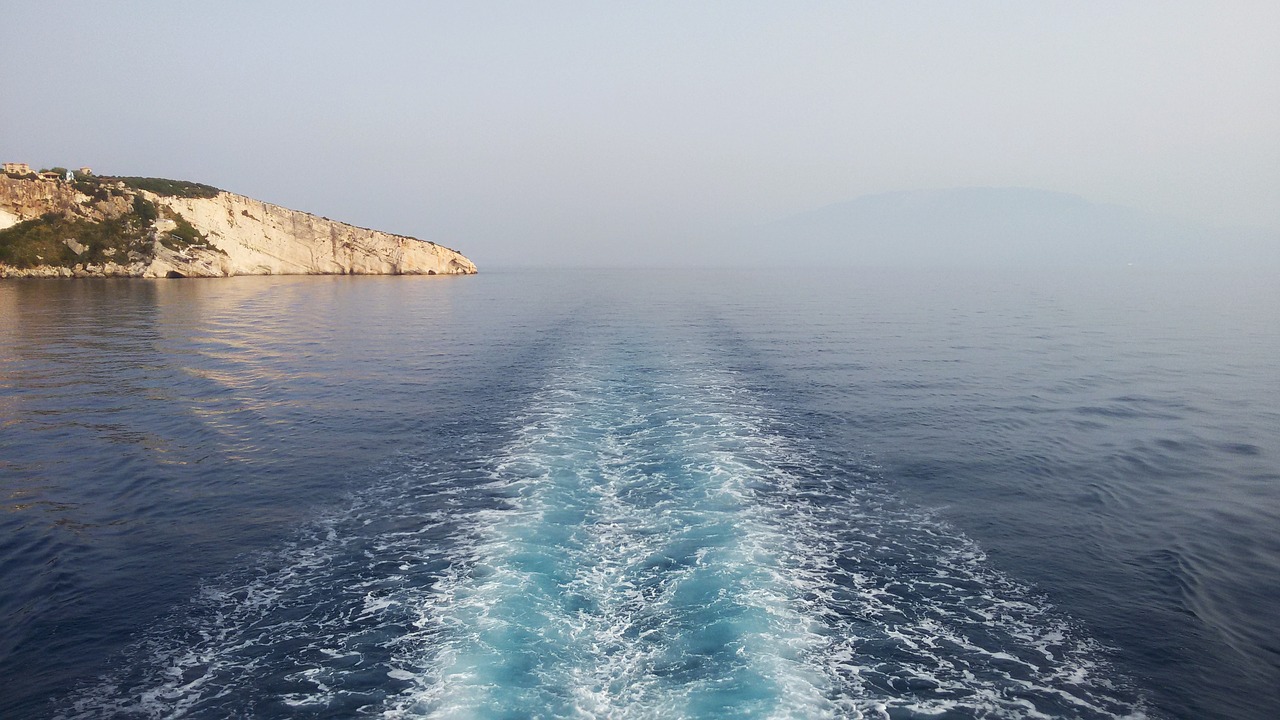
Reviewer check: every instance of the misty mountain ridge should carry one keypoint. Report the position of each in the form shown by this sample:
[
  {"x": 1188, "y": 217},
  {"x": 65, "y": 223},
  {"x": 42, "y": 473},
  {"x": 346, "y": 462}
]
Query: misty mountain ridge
[{"x": 1012, "y": 226}]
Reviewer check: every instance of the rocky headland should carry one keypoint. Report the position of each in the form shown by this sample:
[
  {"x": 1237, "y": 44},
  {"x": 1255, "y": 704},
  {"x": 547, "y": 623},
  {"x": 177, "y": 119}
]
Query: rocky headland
[{"x": 84, "y": 225}]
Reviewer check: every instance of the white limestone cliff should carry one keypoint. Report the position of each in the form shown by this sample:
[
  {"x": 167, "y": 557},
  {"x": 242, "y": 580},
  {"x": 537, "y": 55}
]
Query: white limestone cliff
[{"x": 258, "y": 238}]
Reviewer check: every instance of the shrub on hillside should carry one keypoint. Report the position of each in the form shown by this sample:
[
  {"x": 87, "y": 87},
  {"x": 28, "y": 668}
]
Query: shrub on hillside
[
  {"x": 42, "y": 241},
  {"x": 169, "y": 188},
  {"x": 182, "y": 236}
]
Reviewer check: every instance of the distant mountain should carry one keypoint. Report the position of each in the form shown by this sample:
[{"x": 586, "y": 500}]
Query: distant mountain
[{"x": 1000, "y": 227}]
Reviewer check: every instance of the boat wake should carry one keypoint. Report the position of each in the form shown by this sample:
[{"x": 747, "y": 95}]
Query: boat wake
[{"x": 647, "y": 542}]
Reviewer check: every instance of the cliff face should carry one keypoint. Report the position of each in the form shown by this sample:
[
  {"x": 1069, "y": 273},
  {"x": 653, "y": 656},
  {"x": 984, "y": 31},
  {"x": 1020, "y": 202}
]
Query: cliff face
[
  {"x": 263, "y": 239},
  {"x": 226, "y": 234},
  {"x": 24, "y": 199}
]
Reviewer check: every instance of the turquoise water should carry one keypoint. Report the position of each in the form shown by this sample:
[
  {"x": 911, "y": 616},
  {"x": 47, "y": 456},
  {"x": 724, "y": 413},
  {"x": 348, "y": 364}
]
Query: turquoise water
[{"x": 639, "y": 496}]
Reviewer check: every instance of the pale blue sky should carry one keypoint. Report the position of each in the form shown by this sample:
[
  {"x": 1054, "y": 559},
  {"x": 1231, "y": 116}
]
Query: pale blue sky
[{"x": 599, "y": 132}]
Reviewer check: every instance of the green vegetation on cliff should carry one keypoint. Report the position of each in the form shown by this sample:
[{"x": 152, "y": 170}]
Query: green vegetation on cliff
[
  {"x": 169, "y": 188},
  {"x": 100, "y": 186},
  {"x": 184, "y": 235},
  {"x": 61, "y": 240},
  {"x": 43, "y": 241}
]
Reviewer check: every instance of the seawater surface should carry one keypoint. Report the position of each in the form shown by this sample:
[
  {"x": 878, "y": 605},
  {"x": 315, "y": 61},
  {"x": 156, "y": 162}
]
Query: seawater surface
[{"x": 875, "y": 494}]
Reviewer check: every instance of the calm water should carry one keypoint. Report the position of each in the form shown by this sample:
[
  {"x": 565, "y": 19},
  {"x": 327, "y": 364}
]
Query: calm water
[{"x": 641, "y": 495}]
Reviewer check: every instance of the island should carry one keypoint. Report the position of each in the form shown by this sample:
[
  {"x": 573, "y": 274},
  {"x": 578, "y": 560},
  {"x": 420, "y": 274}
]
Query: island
[{"x": 64, "y": 223}]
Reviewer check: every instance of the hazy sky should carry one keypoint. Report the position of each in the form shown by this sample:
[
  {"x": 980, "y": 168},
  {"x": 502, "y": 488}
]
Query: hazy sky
[{"x": 599, "y": 132}]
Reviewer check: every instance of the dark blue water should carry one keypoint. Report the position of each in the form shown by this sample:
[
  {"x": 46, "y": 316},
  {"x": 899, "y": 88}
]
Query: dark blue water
[{"x": 649, "y": 495}]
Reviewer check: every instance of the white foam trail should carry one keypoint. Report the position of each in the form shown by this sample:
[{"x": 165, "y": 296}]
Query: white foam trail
[
  {"x": 592, "y": 569},
  {"x": 870, "y": 607}
]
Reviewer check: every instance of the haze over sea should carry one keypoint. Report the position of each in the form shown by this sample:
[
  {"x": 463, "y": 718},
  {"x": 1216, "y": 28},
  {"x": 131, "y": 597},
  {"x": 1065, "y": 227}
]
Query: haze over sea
[{"x": 642, "y": 494}]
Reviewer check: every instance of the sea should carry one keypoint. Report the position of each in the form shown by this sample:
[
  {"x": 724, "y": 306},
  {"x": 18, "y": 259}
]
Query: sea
[{"x": 645, "y": 493}]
